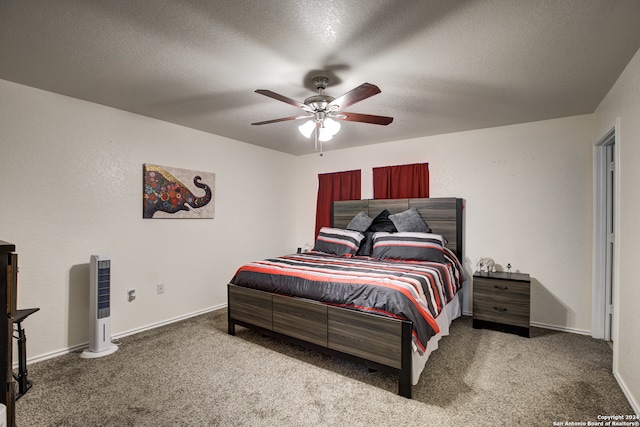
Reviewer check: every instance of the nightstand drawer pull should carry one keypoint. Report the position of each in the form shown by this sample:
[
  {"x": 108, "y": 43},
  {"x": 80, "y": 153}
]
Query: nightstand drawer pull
[
  {"x": 502, "y": 288},
  {"x": 500, "y": 309}
]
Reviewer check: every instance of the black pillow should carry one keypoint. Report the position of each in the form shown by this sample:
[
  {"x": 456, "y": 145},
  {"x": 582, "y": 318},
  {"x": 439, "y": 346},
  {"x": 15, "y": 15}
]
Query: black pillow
[
  {"x": 366, "y": 245},
  {"x": 382, "y": 223}
]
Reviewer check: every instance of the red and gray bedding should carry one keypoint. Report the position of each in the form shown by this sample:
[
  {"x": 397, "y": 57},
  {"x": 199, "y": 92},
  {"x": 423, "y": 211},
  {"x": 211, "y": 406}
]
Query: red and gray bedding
[{"x": 403, "y": 289}]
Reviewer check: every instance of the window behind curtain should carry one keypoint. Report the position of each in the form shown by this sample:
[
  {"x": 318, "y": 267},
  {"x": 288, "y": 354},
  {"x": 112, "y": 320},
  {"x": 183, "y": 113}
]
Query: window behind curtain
[
  {"x": 401, "y": 182},
  {"x": 332, "y": 187}
]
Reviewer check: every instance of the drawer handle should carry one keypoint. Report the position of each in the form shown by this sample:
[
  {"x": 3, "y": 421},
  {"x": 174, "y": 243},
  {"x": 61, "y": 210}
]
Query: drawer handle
[
  {"x": 502, "y": 288},
  {"x": 500, "y": 309}
]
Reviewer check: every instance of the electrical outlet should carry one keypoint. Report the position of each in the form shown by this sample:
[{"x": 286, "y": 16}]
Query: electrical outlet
[
  {"x": 131, "y": 294},
  {"x": 160, "y": 289}
]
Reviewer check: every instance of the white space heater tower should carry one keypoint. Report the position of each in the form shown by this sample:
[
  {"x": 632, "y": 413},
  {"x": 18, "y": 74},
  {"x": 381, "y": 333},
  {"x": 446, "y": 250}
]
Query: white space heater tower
[{"x": 99, "y": 308}]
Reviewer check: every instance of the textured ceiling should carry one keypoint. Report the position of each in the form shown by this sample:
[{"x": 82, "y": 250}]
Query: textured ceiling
[{"x": 442, "y": 66}]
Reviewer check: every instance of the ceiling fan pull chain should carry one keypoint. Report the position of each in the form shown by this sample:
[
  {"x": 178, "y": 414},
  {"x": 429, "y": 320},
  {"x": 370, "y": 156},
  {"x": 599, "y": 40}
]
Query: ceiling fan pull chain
[
  {"x": 316, "y": 131},
  {"x": 315, "y": 134}
]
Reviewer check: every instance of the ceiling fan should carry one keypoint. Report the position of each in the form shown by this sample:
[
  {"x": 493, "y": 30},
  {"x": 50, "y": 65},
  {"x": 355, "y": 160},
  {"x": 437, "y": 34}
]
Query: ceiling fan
[{"x": 323, "y": 111}]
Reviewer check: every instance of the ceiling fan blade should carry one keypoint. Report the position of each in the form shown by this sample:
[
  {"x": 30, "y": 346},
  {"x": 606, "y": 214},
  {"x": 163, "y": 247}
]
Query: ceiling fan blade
[
  {"x": 284, "y": 119},
  {"x": 283, "y": 98},
  {"x": 364, "y": 118},
  {"x": 358, "y": 94}
]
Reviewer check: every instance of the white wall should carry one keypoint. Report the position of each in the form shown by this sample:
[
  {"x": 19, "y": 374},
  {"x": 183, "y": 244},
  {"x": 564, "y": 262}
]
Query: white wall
[
  {"x": 71, "y": 186},
  {"x": 528, "y": 193},
  {"x": 623, "y": 103}
]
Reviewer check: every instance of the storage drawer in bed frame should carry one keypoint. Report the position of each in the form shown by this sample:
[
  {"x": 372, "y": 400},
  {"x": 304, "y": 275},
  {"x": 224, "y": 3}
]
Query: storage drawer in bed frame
[
  {"x": 302, "y": 319},
  {"x": 371, "y": 337},
  {"x": 379, "y": 342}
]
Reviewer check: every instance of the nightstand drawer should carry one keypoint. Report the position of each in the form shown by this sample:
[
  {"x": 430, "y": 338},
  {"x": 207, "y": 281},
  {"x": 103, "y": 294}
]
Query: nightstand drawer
[
  {"x": 502, "y": 299},
  {"x": 507, "y": 290},
  {"x": 500, "y": 310}
]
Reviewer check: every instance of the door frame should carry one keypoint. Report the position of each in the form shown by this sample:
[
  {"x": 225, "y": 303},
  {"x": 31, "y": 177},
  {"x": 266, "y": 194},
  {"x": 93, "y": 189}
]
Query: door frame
[{"x": 601, "y": 326}]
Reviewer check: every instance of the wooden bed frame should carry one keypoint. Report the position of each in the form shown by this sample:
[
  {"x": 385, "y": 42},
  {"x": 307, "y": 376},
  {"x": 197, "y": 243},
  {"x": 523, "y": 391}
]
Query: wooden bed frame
[{"x": 377, "y": 342}]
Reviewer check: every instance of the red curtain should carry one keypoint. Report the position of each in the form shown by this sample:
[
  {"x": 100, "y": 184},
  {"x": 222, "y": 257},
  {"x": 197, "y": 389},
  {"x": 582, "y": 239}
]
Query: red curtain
[
  {"x": 401, "y": 182},
  {"x": 335, "y": 186}
]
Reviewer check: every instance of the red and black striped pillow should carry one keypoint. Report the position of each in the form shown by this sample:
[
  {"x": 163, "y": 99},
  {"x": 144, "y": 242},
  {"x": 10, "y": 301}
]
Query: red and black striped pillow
[
  {"x": 409, "y": 246},
  {"x": 336, "y": 241}
]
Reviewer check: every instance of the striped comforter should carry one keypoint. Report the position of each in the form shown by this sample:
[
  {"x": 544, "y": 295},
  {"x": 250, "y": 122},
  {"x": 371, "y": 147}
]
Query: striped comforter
[{"x": 411, "y": 290}]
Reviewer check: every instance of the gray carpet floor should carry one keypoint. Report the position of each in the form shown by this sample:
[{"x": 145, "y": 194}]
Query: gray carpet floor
[{"x": 192, "y": 373}]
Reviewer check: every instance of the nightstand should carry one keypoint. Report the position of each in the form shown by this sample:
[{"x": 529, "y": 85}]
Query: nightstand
[{"x": 502, "y": 301}]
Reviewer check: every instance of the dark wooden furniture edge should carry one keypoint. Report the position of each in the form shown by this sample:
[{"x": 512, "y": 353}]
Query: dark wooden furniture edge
[
  {"x": 503, "y": 275},
  {"x": 7, "y": 306},
  {"x": 503, "y": 327}
]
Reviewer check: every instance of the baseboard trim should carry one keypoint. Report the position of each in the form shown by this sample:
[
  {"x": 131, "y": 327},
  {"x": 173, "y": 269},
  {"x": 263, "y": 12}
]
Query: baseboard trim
[
  {"x": 85, "y": 345},
  {"x": 561, "y": 328},
  {"x": 166, "y": 322},
  {"x": 634, "y": 405},
  {"x": 546, "y": 326}
]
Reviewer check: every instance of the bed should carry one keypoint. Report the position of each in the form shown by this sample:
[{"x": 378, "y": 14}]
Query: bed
[{"x": 374, "y": 309}]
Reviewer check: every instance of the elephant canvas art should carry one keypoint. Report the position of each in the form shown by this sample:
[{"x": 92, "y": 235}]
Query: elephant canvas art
[{"x": 177, "y": 193}]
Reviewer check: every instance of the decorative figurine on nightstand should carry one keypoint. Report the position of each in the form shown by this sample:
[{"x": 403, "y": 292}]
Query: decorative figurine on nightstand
[{"x": 485, "y": 265}]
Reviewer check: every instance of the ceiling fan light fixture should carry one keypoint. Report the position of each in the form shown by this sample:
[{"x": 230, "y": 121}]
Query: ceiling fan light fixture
[
  {"x": 331, "y": 126},
  {"x": 326, "y": 130},
  {"x": 324, "y": 135},
  {"x": 306, "y": 129}
]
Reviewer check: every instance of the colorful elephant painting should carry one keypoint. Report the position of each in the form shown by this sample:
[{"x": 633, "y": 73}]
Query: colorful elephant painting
[{"x": 163, "y": 192}]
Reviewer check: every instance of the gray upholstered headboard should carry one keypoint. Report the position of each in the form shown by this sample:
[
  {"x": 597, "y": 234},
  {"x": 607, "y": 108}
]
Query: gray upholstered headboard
[{"x": 444, "y": 215}]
